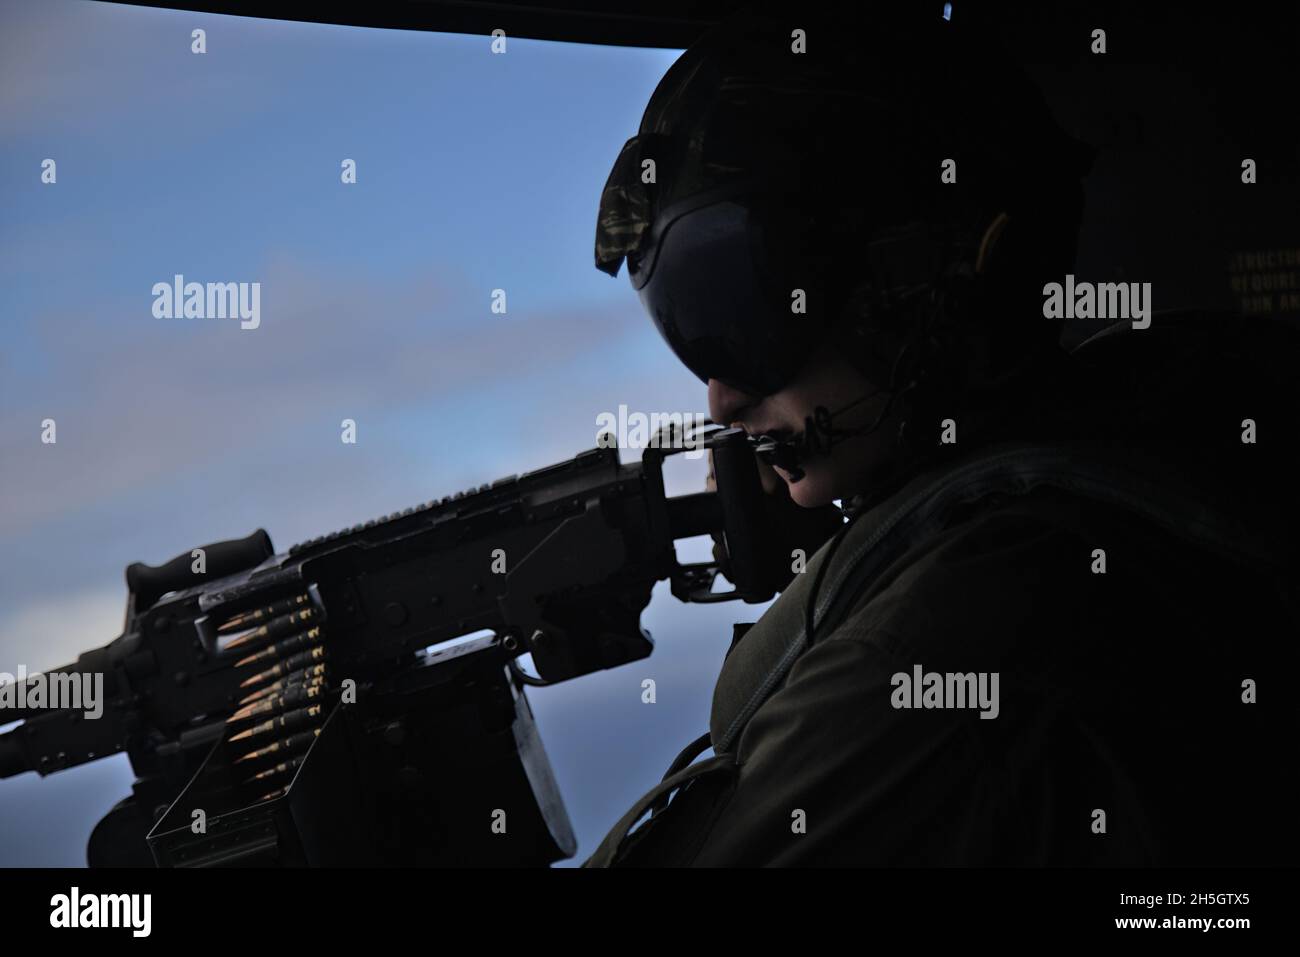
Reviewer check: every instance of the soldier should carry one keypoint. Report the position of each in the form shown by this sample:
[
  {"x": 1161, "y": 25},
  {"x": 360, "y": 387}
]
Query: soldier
[{"x": 1042, "y": 636}]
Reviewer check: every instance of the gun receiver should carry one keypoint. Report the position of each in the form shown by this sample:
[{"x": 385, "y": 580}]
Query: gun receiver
[{"x": 557, "y": 564}]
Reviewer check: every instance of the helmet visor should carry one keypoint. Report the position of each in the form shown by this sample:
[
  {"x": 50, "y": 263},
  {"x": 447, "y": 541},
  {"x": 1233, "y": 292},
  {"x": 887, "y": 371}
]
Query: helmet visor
[{"x": 723, "y": 305}]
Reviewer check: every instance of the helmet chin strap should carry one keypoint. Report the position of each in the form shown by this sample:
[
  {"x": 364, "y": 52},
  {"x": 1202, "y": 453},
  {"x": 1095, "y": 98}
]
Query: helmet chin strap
[{"x": 818, "y": 438}]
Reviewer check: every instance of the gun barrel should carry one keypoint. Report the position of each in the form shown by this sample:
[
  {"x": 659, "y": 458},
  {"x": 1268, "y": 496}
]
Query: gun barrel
[
  {"x": 16, "y": 692},
  {"x": 13, "y": 758}
]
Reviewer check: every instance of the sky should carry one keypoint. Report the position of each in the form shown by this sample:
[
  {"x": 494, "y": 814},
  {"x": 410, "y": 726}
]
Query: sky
[{"x": 475, "y": 171}]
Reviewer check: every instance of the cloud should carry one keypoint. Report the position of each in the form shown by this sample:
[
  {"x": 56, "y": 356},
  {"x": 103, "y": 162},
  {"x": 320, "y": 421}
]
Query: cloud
[
  {"x": 95, "y": 87},
  {"x": 51, "y": 632},
  {"x": 138, "y": 398}
]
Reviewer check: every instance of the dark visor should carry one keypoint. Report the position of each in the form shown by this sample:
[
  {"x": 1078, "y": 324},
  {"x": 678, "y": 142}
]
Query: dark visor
[
  {"x": 706, "y": 275},
  {"x": 723, "y": 310}
]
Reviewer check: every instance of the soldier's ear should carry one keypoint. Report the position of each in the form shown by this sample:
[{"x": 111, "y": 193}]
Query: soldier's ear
[{"x": 990, "y": 240}]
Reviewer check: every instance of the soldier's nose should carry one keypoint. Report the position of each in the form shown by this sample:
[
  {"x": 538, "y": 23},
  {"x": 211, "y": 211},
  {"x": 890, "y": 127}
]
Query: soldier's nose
[{"x": 726, "y": 404}]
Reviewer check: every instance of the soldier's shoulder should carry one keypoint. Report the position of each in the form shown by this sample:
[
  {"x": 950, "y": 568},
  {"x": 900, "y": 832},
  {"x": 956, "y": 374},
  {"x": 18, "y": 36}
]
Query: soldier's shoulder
[{"x": 1007, "y": 567}]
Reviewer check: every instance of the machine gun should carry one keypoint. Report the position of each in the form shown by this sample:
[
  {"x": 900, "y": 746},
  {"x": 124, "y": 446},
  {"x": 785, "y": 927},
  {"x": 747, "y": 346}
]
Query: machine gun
[{"x": 314, "y": 706}]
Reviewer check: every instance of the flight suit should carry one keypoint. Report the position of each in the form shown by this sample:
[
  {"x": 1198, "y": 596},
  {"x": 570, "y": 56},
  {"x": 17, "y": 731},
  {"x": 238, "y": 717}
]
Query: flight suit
[{"x": 1125, "y": 609}]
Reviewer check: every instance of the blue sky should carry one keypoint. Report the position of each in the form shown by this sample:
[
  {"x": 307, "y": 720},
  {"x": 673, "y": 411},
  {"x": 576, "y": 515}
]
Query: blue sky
[{"x": 475, "y": 172}]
